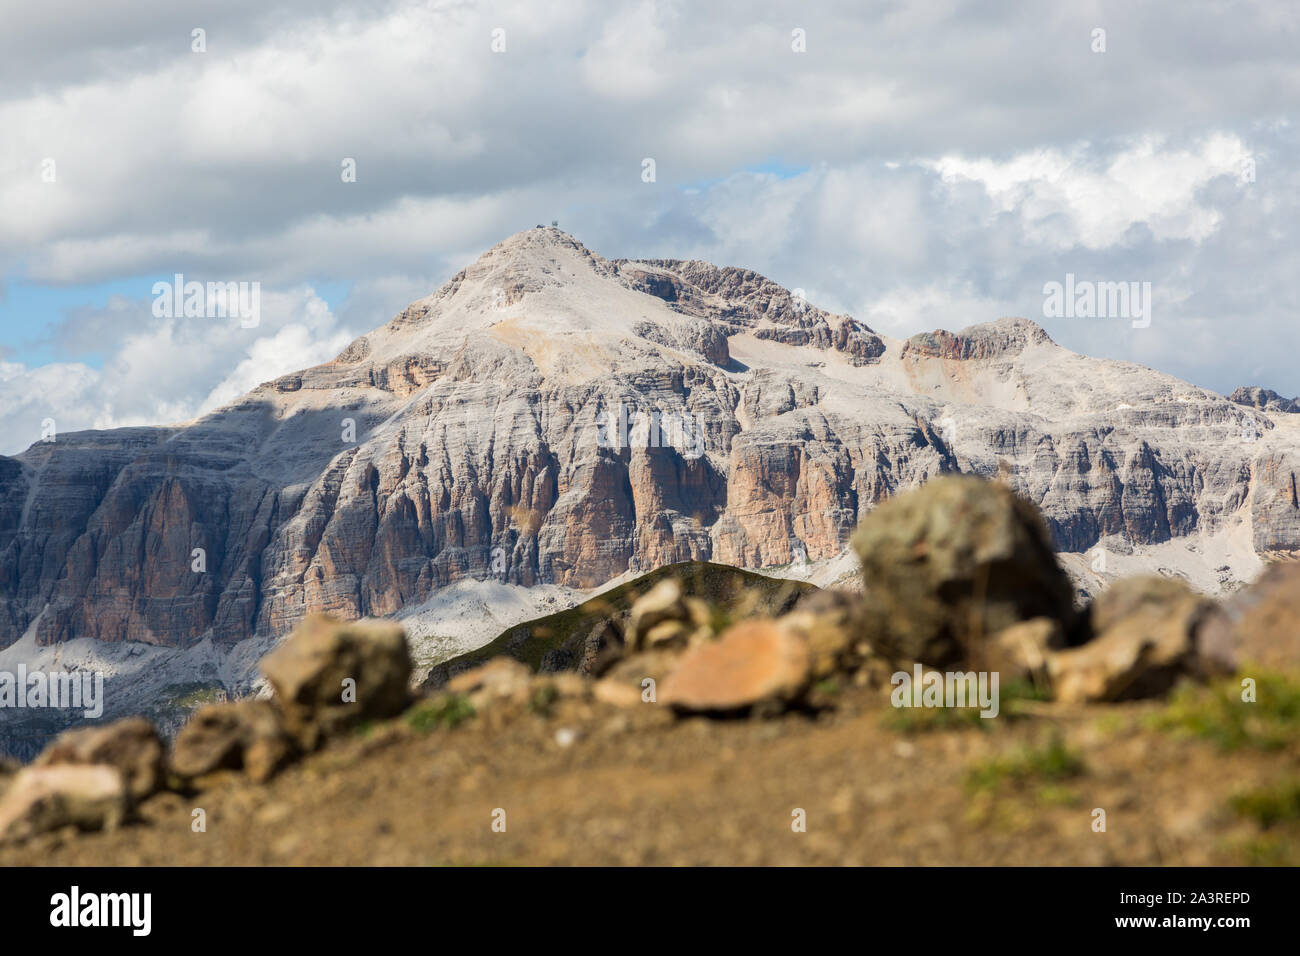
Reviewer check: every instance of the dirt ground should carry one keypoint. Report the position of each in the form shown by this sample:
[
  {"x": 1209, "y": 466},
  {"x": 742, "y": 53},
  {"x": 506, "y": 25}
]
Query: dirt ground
[{"x": 589, "y": 784}]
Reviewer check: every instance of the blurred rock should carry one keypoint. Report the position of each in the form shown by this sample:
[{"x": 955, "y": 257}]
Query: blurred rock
[
  {"x": 829, "y": 624},
  {"x": 952, "y": 563},
  {"x": 247, "y": 735},
  {"x": 1146, "y": 640},
  {"x": 499, "y": 678},
  {"x": 663, "y": 618},
  {"x": 1021, "y": 650},
  {"x": 311, "y": 671},
  {"x": 1134, "y": 595},
  {"x": 131, "y": 745},
  {"x": 753, "y": 662},
  {"x": 617, "y": 693},
  {"x": 1260, "y": 624},
  {"x": 40, "y": 799}
]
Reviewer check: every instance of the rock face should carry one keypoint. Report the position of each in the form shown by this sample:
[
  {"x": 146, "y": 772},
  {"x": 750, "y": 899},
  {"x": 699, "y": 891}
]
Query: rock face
[
  {"x": 549, "y": 415},
  {"x": 948, "y": 566},
  {"x": 1264, "y": 398}
]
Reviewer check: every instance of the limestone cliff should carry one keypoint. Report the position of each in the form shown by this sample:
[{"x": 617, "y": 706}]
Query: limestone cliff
[{"x": 550, "y": 416}]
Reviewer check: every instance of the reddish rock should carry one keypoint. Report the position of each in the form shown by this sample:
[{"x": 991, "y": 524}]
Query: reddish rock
[{"x": 752, "y": 662}]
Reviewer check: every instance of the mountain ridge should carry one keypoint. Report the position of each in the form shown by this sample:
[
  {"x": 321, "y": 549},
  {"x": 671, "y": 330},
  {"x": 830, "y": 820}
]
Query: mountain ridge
[{"x": 463, "y": 440}]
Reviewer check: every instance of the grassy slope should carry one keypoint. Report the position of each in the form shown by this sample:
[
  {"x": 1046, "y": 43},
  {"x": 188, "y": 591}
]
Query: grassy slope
[{"x": 565, "y": 631}]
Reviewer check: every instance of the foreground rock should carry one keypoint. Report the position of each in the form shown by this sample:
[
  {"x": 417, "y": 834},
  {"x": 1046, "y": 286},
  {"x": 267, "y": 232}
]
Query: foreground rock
[
  {"x": 1023, "y": 650},
  {"x": 752, "y": 663},
  {"x": 830, "y": 624},
  {"x": 500, "y": 679},
  {"x": 41, "y": 799},
  {"x": 247, "y": 735},
  {"x": 330, "y": 675},
  {"x": 665, "y": 618},
  {"x": 952, "y": 563},
  {"x": 1260, "y": 625},
  {"x": 131, "y": 746},
  {"x": 1147, "y": 638}
]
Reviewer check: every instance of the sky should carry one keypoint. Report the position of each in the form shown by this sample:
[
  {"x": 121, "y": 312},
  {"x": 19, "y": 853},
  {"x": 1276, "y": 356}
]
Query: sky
[{"x": 917, "y": 165}]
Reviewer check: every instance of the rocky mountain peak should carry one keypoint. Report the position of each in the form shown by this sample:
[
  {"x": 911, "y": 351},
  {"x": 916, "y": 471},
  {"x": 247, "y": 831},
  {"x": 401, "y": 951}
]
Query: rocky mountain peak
[
  {"x": 1254, "y": 396},
  {"x": 987, "y": 340},
  {"x": 551, "y": 417}
]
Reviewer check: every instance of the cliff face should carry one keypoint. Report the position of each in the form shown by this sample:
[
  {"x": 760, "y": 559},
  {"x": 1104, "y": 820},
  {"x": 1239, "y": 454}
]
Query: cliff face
[{"x": 552, "y": 416}]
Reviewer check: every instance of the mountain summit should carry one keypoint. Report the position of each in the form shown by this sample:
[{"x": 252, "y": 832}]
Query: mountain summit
[{"x": 550, "y": 416}]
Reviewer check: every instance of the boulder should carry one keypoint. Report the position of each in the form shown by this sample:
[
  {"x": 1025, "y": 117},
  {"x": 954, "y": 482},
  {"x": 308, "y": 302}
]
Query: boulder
[
  {"x": 829, "y": 624},
  {"x": 617, "y": 693},
  {"x": 247, "y": 735},
  {"x": 1147, "y": 638},
  {"x": 633, "y": 670},
  {"x": 754, "y": 662},
  {"x": 1136, "y": 595},
  {"x": 1260, "y": 624},
  {"x": 8, "y": 768},
  {"x": 663, "y": 618},
  {"x": 500, "y": 678},
  {"x": 1021, "y": 650},
  {"x": 952, "y": 563},
  {"x": 131, "y": 745},
  {"x": 40, "y": 799},
  {"x": 330, "y": 675}
]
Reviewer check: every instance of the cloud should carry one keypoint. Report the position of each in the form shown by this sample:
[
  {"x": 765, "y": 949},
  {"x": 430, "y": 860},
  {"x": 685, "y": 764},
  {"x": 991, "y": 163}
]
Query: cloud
[
  {"x": 1144, "y": 184},
  {"x": 161, "y": 370},
  {"x": 954, "y": 156}
]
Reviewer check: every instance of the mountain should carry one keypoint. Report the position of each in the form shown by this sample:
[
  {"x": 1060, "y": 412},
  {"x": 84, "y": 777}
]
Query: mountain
[
  {"x": 480, "y": 436},
  {"x": 1265, "y": 398}
]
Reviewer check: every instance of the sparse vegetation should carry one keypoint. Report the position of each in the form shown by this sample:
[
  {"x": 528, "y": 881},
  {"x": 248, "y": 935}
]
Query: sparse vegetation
[
  {"x": 190, "y": 696},
  {"x": 732, "y": 594},
  {"x": 443, "y": 710},
  {"x": 1218, "y": 713},
  {"x": 1270, "y": 806},
  {"x": 1048, "y": 765},
  {"x": 910, "y": 720}
]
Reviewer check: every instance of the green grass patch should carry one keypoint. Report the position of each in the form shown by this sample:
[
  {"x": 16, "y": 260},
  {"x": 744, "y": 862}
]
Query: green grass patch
[
  {"x": 1218, "y": 714},
  {"x": 1047, "y": 765},
  {"x": 190, "y": 696},
  {"x": 1269, "y": 806},
  {"x": 1267, "y": 850},
  {"x": 828, "y": 687},
  {"x": 445, "y": 710}
]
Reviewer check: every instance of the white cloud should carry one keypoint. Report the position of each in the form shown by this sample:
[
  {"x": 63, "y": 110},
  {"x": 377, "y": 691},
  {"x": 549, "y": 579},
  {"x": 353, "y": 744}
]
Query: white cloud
[
  {"x": 957, "y": 158},
  {"x": 163, "y": 370},
  {"x": 1142, "y": 184}
]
